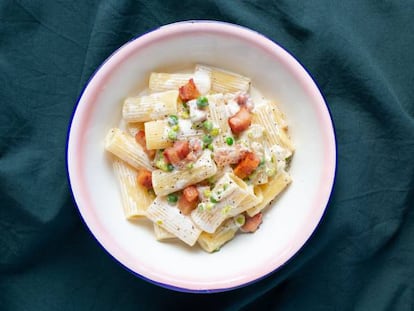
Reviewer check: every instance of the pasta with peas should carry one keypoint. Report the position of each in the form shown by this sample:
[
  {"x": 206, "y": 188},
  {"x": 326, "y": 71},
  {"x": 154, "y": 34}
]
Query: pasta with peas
[{"x": 200, "y": 157}]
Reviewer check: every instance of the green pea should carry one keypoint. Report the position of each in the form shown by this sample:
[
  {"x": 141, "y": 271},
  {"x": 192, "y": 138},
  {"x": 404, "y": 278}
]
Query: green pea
[
  {"x": 262, "y": 161},
  {"x": 229, "y": 141},
  {"x": 172, "y": 120},
  {"x": 214, "y": 132},
  {"x": 207, "y": 139},
  {"x": 172, "y": 135},
  {"x": 240, "y": 220},
  {"x": 172, "y": 198},
  {"x": 184, "y": 115},
  {"x": 161, "y": 164},
  {"x": 208, "y": 125},
  {"x": 202, "y": 102},
  {"x": 209, "y": 206},
  {"x": 213, "y": 199}
]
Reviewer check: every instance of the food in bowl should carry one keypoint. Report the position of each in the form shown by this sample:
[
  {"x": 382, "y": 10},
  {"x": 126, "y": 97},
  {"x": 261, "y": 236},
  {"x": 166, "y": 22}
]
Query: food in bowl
[
  {"x": 200, "y": 154},
  {"x": 248, "y": 258}
]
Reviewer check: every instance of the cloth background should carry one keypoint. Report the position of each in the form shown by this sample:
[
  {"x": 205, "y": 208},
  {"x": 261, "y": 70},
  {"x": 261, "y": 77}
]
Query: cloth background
[{"x": 361, "y": 54}]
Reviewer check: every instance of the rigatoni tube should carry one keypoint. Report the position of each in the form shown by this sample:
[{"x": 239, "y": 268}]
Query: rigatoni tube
[
  {"x": 270, "y": 191},
  {"x": 150, "y": 107},
  {"x": 160, "y": 81},
  {"x": 156, "y": 134},
  {"x": 168, "y": 182},
  {"x": 127, "y": 149},
  {"x": 135, "y": 198},
  {"x": 223, "y": 81},
  {"x": 170, "y": 219}
]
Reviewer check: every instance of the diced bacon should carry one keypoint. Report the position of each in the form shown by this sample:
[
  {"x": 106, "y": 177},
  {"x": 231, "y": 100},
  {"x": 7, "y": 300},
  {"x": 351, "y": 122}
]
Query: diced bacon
[
  {"x": 186, "y": 206},
  {"x": 189, "y": 200},
  {"x": 240, "y": 121},
  {"x": 196, "y": 145},
  {"x": 188, "y": 91},
  {"x": 171, "y": 155},
  {"x": 177, "y": 152},
  {"x": 229, "y": 155},
  {"x": 191, "y": 193},
  {"x": 140, "y": 139},
  {"x": 247, "y": 165},
  {"x": 252, "y": 223},
  {"x": 196, "y": 149},
  {"x": 191, "y": 157},
  {"x": 182, "y": 148},
  {"x": 243, "y": 99},
  {"x": 144, "y": 178}
]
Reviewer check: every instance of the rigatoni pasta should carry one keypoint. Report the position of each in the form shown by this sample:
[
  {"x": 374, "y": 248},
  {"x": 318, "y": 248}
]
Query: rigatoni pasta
[
  {"x": 156, "y": 134},
  {"x": 270, "y": 191},
  {"x": 223, "y": 81},
  {"x": 161, "y": 234},
  {"x": 227, "y": 194},
  {"x": 150, "y": 107},
  {"x": 173, "y": 221},
  {"x": 274, "y": 132},
  {"x": 124, "y": 147},
  {"x": 199, "y": 156},
  {"x": 135, "y": 198},
  {"x": 160, "y": 81},
  {"x": 167, "y": 182},
  {"x": 218, "y": 115},
  {"x": 211, "y": 242}
]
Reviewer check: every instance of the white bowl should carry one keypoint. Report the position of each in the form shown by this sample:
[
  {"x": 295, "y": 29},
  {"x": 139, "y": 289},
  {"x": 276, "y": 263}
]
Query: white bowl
[{"x": 287, "y": 225}]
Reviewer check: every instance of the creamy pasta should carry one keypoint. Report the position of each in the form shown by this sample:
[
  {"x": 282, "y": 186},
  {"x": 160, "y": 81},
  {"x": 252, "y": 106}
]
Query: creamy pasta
[{"x": 200, "y": 156}]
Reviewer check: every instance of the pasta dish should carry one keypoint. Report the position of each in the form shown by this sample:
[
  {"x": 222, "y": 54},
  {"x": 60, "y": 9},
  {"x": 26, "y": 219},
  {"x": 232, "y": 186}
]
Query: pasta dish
[{"x": 201, "y": 154}]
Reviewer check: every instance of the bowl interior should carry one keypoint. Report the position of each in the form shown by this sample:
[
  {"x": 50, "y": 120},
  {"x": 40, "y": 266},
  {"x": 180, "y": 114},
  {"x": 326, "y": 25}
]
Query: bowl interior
[{"x": 286, "y": 225}]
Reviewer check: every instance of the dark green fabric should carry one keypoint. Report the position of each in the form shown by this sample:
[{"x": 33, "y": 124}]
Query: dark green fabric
[{"x": 361, "y": 53}]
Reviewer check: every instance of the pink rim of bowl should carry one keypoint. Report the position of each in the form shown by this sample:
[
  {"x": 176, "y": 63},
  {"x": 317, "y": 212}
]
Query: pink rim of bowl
[{"x": 81, "y": 117}]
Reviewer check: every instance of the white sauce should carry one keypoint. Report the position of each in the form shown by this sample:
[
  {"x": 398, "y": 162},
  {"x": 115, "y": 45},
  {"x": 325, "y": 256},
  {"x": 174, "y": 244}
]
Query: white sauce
[
  {"x": 255, "y": 131},
  {"x": 202, "y": 81},
  {"x": 185, "y": 127},
  {"x": 280, "y": 152},
  {"x": 196, "y": 115},
  {"x": 180, "y": 184},
  {"x": 256, "y": 96},
  {"x": 232, "y": 108},
  {"x": 201, "y": 190},
  {"x": 257, "y": 148}
]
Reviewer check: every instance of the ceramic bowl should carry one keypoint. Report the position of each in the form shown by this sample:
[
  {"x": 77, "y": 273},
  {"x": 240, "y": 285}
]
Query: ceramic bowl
[{"x": 287, "y": 225}]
